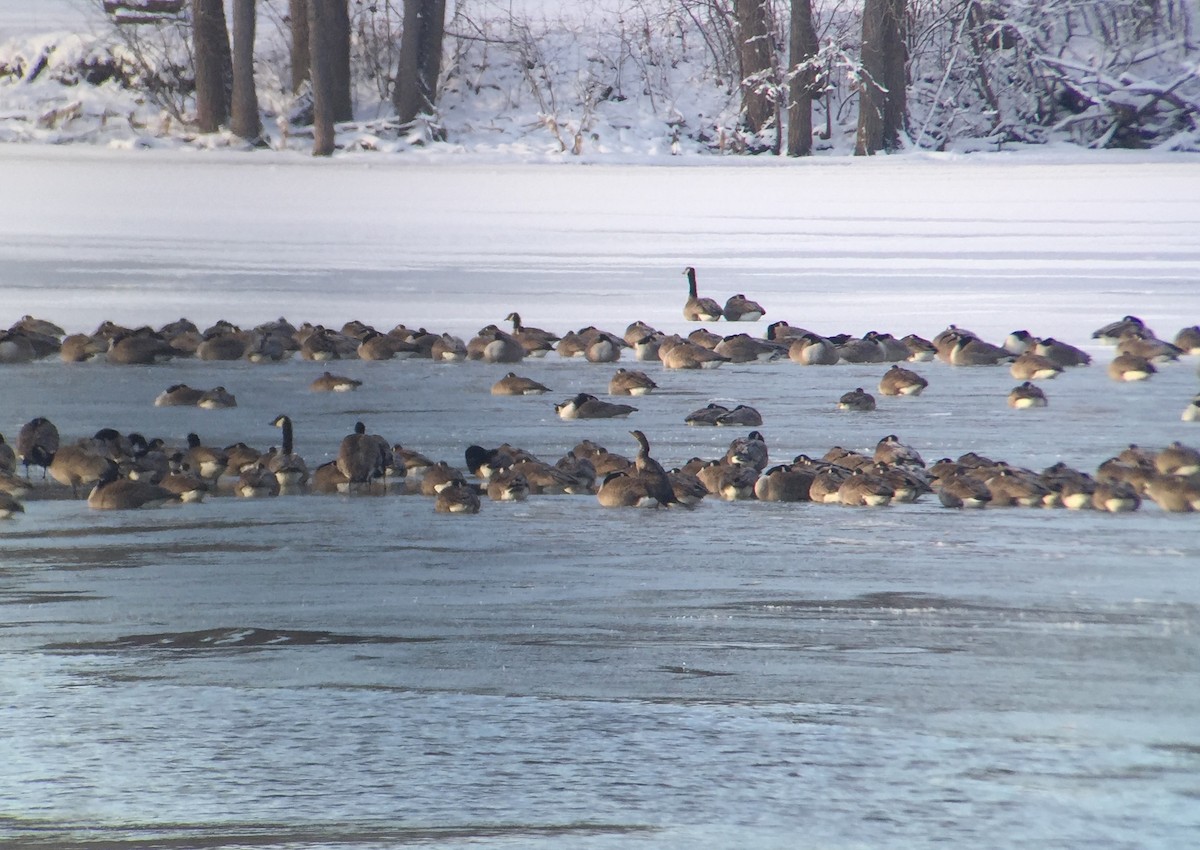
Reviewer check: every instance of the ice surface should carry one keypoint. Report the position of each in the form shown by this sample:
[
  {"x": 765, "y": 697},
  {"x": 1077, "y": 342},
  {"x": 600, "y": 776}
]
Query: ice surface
[{"x": 362, "y": 672}]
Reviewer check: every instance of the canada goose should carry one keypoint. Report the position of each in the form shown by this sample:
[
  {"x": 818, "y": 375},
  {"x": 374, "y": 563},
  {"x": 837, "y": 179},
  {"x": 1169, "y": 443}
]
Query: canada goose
[
  {"x": 677, "y": 353},
  {"x": 637, "y": 330},
  {"x": 76, "y": 466},
  {"x": 743, "y": 348},
  {"x": 580, "y": 468},
  {"x": 217, "y": 398},
  {"x": 846, "y": 458},
  {"x": 857, "y": 399},
  {"x": 1010, "y": 486},
  {"x": 658, "y": 486},
  {"x": 1025, "y": 396},
  {"x": 457, "y": 497},
  {"x": 574, "y": 343},
  {"x": 484, "y": 463},
  {"x": 1130, "y": 367},
  {"x": 438, "y": 476},
  {"x": 514, "y": 384},
  {"x": 1175, "y": 493},
  {"x": 750, "y": 451},
  {"x": 15, "y": 348},
  {"x": 139, "y": 348},
  {"x": 604, "y": 348},
  {"x": 730, "y": 482},
  {"x": 784, "y": 333},
  {"x": 322, "y": 344},
  {"x": 1062, "y": 353},
  {"x": 1143, "y": 345},
  {"x": 207, "y": 462},
  {"x": 363, "y": 457},
  {"x": 812, "y": 350},
  {"x": 705, "y": 338},
  {"x": 535, "y": 340},
  {"x": 37, "y": 443},
  {"x": 920, "y": 350},
  {"x": 222, "y": 346},
  {"x": 1191, "y": 413},
  {"x": 646, "y": 349},
  {"x": 1177, "y": 459},
  {"x": 1188, "y": 340},
  {"x": 1034, "y": 367},
  {"x": 785, "y": 483},
  {"x": 697, "y": 309},
  {"x": 1116, "y": 497},
  {"x": 9, "y": 506},
  {"x": 1113, "y": 331},
  {"x": 269, "y": 347},
  {"x": 8, "y": 457},
  {"x": 584, "y": 406},
  {"x": 1071, "y": 488},
  {"x": 547, "y": 480},
  {"x": 178, "y": 395},
  {"x": 507, "y": 486},
  {"x": 689, "y": 490},
  {"x": 330, "y": 383},
  {"x": 865, "y": 350},
  {"x": 739, "y": 308},
  {"x": 114, "y": 493},
  {"x": 944, "y": 341},
  {"x": 827, "y": 481},
  {"x": 891, "y": 451},
  {"x": 79, "y": 348},
  {"x": 625, "y": 490},
  {"x": 240, "y": 457},
  {"x": 898, "y": 381},
  {"x": 707, "y": 415},
  {"x": 146, "y": 461},
  {"x": 411, "y": 459},
  {"x": 865, "y": 489},
  {"x": 894, "y": 350},
  {"x": 972, "y": 351},
  {"x": 963, "y": 491},
  {"x": 492, "y": 345},
  {"x": 327, "y": 478},
  {"x": 256, "y": 482},
  {"x": 630, "y": 382},
  {"x": 377, "y": 346},
  {"x": 742, "y": 415},
  {"x": 42, "y": 327},
  {"x": 185, "y": 485},
  {"x": 289, "y": 468},
  {"x": 603, "y": 461},
  {"x": 448, "y": 349},
  {"x": 1018, "y": 342}
]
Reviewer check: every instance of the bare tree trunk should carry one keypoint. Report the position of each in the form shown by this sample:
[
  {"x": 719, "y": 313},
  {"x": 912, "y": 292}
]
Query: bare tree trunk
[
  {"x": 320, "y": 48},
  {"x": 420, "y": 62},
  {"x": 343, "y": 103},
  {"x": 210, "y": 45},
  {"x": 754, "y": 57},
  {"x": 802, "y": 48},
  {"x": 244, "y": 120},
  {"x": 881, "y": 95},
  {"x": 298, "y": 12}
]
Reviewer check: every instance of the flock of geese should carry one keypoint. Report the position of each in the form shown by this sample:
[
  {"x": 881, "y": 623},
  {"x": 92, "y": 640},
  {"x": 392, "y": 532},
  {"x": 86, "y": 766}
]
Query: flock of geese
[{"x": 125, "y": 471}]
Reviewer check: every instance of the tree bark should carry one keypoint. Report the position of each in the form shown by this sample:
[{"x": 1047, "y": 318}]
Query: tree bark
[
  {"x": 210, "y": 46},
  {"x": 755, "y": 60},
  {"x": 321, "y": 50},
  {"x": 420, "y": 64},
  {"x": 881, "y": 95},
  {"x": 298, "y": 13},
  {"x": 244, "y": 119},
  {"x": 343, "y": 103},
  {"x": 802, "y": 48}
]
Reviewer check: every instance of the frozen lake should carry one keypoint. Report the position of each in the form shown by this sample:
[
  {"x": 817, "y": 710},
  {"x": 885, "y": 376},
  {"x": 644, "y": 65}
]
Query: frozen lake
[{"x": 337, "y": 672}]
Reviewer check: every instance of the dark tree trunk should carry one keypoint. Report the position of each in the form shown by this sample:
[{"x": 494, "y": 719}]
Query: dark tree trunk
[
  {"x": 420, "y": 63},
  {"x": 755, "y": 57},
  {"x": 244, "y": 118},
  {"x": 881, "y": 96},
  {"x": 210, "y": 46},
  {"x": 802, "y": 47},
  {"x": 298, "y": 12},
  {"x": 321, "y": 51},
  {"x": 343, "y": 103}
]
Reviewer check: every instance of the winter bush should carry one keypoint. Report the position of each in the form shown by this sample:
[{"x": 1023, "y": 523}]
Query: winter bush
[{"x": 649, "y": 77}]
